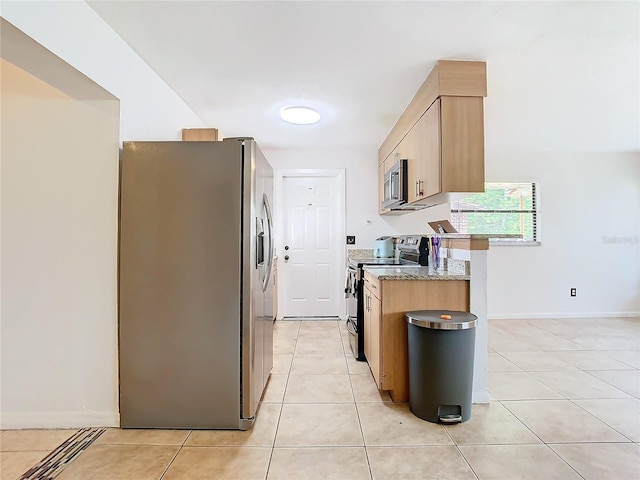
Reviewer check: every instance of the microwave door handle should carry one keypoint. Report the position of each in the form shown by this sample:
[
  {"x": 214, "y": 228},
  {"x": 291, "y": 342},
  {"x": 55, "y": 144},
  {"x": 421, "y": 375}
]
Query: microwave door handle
[
  {"x": 395, "y": 194},
  {"x": 388, "y": 182}
]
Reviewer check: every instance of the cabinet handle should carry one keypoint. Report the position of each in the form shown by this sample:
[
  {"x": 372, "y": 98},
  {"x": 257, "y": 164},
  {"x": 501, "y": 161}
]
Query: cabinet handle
[
  {"x": 420, "y": 190},
  {"x": 373, "y": 286},
  {"x": 416, "y": 190}
]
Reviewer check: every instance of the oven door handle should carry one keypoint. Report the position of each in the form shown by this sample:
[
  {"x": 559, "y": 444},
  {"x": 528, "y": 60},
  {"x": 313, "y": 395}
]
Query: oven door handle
[{"x": 350, "y": 327}]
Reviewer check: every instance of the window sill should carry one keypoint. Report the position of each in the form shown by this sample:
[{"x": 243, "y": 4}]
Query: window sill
[{"x": 494, "y": 242}]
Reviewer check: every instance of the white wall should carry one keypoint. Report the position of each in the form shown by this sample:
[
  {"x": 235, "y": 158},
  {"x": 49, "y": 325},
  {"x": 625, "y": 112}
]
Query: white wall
[
  {"x": 362, "y": 219},
  {"x": 590, "y": 230},
  {"x": 78, "y": 35},
  {"x": 59, "y": 256},
  {"x": 583, "y": 199}
]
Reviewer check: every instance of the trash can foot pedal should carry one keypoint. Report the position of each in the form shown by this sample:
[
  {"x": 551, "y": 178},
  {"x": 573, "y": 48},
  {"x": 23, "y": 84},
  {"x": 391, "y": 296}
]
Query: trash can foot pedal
[{"x": 450, "y": 418}]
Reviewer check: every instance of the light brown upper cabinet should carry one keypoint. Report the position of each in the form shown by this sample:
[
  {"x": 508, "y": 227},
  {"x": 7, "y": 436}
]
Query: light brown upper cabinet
[
  {"x": 424, "y": 168},
  {"x": 381, "y": 171},
  {"x": 441, "y": 135}
]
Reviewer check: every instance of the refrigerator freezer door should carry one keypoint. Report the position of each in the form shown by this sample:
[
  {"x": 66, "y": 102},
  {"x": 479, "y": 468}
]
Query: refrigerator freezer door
[{"x": 180, "y": 284}]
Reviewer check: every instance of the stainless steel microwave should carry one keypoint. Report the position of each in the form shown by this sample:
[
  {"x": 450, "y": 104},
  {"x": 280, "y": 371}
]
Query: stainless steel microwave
[
  {"x": 395, "y": 185},
  {"x": 396, "y": 188}
]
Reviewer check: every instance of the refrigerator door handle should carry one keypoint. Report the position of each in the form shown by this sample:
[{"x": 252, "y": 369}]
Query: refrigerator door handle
[
  {"x": 259, "y": 242},
  {"x": 267, "y": 210}
]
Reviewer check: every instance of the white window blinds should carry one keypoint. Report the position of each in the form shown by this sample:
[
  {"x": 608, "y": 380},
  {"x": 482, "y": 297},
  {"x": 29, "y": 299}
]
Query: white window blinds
[{"x": 506, "y": 211}]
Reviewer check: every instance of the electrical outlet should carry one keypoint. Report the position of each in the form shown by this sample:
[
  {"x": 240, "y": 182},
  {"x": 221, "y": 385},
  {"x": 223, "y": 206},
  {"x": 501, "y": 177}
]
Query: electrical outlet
[
  {"x": 351, "y": 239},
  {"x": 573, "y": 292}
]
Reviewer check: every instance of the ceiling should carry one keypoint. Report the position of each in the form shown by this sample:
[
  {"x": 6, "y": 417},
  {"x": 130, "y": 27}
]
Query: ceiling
[{"x": 561, "y": 75}]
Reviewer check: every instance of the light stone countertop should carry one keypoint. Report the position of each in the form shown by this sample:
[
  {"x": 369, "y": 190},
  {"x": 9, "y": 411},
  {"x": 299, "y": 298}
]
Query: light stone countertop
[
  {"x": 415, "y": 273},
  {"x": 471, "y": 236}
]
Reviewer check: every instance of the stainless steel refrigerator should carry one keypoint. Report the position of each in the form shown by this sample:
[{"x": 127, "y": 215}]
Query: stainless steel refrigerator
[{"x": 195, "y": 287}]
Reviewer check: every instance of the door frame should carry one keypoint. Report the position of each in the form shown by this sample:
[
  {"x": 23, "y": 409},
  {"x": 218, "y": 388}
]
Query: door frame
[{"x": 340, "y": 224}]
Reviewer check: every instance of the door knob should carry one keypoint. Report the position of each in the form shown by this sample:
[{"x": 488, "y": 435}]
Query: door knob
[{"x": 286, "y": 257}]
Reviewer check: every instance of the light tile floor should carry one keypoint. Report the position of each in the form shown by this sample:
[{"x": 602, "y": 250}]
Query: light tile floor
[{"x": 565, "y": 405}]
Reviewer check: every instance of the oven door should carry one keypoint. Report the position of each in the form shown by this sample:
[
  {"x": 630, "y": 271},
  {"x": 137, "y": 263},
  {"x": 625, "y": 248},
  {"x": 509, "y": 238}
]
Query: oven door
[{"x": 352, "y": 311}]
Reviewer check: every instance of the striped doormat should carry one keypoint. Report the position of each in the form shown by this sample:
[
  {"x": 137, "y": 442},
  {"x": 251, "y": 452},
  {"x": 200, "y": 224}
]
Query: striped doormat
[
  {"x": 312, "y": 319},
  {"x": 51, "y": 465}
]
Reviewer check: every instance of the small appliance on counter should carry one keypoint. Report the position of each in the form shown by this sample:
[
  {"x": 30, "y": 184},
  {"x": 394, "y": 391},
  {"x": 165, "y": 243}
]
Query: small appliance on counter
[
  {"x": 414, "y": 249},
  {"x": 383, "y": 247}
]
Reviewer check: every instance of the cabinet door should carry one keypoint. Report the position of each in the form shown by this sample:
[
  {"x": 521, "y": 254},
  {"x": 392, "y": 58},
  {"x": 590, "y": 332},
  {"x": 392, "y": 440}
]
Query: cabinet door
[
  {"x": 382, "y": 168},
  {"x": 462, "y": 143},
  {"x": 409, "y": 152},
  {"x": 367, "y": 324},
  {"x": 428, "y": 153},
  {"x": 375, "y": 339}
]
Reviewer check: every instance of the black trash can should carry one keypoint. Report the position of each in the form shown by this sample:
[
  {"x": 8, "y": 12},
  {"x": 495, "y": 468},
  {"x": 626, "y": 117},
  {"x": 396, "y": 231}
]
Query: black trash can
[{"x": 441, "y": 350}]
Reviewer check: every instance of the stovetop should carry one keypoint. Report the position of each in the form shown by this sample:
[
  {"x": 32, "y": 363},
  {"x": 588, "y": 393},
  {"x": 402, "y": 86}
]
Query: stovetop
[{"x": 358, "y": 262}]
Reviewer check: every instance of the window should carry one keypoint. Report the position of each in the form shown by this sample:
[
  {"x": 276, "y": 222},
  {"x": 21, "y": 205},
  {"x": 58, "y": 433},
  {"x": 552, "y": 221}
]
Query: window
[{"x": 506, "y": 210}]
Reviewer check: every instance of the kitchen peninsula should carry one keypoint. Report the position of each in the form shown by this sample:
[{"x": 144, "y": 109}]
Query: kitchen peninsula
[
  {"x": 434, "y": 152},
  {"x": 461, "y": 284}
]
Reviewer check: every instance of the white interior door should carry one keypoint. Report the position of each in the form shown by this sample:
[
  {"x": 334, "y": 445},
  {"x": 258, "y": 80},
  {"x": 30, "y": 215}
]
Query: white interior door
[{"x": 312, "y": 252}]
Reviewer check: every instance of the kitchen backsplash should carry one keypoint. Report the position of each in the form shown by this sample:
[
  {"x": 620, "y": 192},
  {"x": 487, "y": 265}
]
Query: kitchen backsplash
[
  {"x": 457, "y": 267},
  {"x": 359, "y": 253}
]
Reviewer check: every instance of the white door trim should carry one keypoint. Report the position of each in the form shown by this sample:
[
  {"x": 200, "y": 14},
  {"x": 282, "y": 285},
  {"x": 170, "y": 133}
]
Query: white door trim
[{"x": 341, "y": 248}]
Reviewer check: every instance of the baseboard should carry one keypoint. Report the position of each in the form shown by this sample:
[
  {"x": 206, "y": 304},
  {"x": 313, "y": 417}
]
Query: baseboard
[
  {"x": 19, "y": 420},
  {"x": 543, "y": 315}
]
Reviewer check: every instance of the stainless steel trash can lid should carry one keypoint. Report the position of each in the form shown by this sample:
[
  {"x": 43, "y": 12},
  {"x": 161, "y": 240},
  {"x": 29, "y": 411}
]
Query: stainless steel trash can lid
[{"x": 442, "y": 319}]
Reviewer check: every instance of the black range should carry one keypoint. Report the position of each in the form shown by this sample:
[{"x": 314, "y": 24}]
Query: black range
[{"x": 355, "y": 300}]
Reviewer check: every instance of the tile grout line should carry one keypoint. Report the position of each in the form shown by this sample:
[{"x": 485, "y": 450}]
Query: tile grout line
[
  {"x": 541, "y": 440},
  {"x": 364, "y": 443},
  {"x": 176, "y": 454},
  {"x": 555, "y": 335},
  {"x": 529, "y": 374},
  {"x": 564, "y": 397},
  {"x": 567, "y": 463},
  {"x": 598, "y": 419},
  {"x": 273, "y": 445},
  {"x": 501, "y": 402},
  {"x": 344, "y": 353},
  {"x": 588, "y": 372},
  {"x": 355, "y": 403},
  {"x": 455, "y": 444}
]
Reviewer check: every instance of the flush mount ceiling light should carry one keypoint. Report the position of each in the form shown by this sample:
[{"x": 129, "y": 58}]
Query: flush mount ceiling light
[{"x": 299, "y": 115}]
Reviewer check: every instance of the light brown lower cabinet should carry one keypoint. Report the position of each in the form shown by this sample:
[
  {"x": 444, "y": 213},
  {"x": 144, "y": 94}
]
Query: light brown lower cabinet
[
  {"x": 385, "y": 324},
  {"x": 372, "y": 333}
]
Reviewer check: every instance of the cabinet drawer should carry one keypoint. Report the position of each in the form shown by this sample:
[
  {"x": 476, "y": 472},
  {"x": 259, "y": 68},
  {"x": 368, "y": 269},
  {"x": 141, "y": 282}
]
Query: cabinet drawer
[{"x": 373, "y": 283}]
